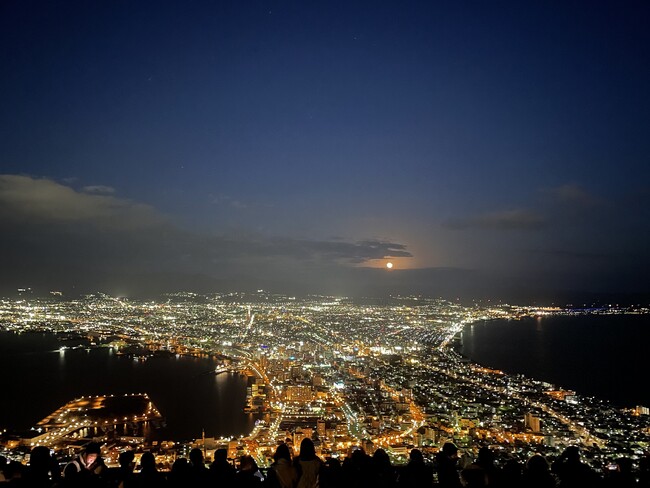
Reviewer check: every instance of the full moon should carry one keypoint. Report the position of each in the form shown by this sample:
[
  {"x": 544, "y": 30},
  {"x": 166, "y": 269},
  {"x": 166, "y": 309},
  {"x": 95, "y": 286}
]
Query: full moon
[{"x": 389, "y": 265}]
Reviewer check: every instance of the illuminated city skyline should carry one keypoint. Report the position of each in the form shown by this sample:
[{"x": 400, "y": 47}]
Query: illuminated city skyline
[{"x": 344, "y": 373}]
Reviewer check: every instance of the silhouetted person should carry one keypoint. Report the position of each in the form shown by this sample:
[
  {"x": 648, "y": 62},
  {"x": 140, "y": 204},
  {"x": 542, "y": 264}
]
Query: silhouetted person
[
  {"x": 86, "y": 469},
  {"x": 180, "y": 473},
  {"x": 511, "y": 474},
  {"x": 416, "y": 474},
  {"x": 356, "y": 469},
  {"x": 308, "y": 465},
  {"x": 221, "y": 471},
  {"x": 122, "y": 477},
  {"x": 282, "y": 473},
  {"x": 446, "y": 465},
  {"x": 199, "y": 474},
  {"x": 571, "y": 471},
  {"x": 249, "y": 475},
  {"x": 537, "y": 473},
  {"x": 43, "y": 470},
  {"x": 149, "y": 476},
  {"x": 383, "y": 475},
  {"x": 331, "y": 474},
  {"x": 486, "y": 461}
]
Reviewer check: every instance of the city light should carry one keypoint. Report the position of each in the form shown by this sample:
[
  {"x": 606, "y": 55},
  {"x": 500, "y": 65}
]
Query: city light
[{"x": 347, "y": 374}]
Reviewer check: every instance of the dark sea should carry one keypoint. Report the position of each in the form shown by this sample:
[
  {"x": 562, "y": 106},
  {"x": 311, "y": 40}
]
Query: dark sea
[
  {"x": 37, "y": 379},
  {"x": 604, "y": 356}
]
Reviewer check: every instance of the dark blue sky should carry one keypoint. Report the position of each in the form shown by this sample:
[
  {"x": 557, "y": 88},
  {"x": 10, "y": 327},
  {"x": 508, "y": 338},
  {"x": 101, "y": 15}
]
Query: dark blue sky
[{"x": 291, "y": 143}]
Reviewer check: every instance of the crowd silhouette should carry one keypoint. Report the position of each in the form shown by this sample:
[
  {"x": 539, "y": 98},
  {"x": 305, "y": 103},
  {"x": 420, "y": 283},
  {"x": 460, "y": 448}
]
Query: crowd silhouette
[{"x": 307, "y": 470}]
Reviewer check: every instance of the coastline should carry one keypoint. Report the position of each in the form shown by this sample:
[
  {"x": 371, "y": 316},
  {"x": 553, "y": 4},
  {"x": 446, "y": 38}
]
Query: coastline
[
  {"x": 159, "y": 376},
  {"x": 515, "y": 356}
]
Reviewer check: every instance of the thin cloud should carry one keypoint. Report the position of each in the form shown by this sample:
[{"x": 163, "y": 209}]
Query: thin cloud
[
  {"x": 517, "y": 219},
  {"x": 99, "y": 189},
  {"x": 236, "y": 203},
  {"x": 358, "y": 252},
  {"x": 228, "y": 201},
  {"x": 40, "y": 200},
  {"x": 254, "y": 247},
  {"x": 571, "y": 194},
  {"x": 571, "y": 254},
  {"x": 60, "y": 224}
]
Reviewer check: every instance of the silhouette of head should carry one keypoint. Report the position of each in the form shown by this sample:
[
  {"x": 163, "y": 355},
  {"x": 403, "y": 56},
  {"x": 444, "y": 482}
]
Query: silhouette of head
[
  {"x": 196, "y": 457},
  {"x": 39, "y": 459},
  {"x": 449, "y": 449},
  {"x": 416, "y": 456},
  {"x": 537, "y": 464},
  {"x": 247, "y": 464},
  {"x": 148, "y": 461},
  {"x": 221, "y": 455},
  {"x": 125, "y": 458},
  {"x": 282, "y": 452},
  {"x": 180, "y": 467},
  {"x": 485, "y": 455},
  {"x": 572, "y": 454},
  {"x": 307, "y": 449},
  {"x": 357, "y": 456},
  {"x": 381, "y": 458}
]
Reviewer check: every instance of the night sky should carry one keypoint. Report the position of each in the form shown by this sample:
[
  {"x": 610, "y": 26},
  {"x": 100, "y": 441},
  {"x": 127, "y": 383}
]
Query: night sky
[{"x": 488, "y": 149}]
